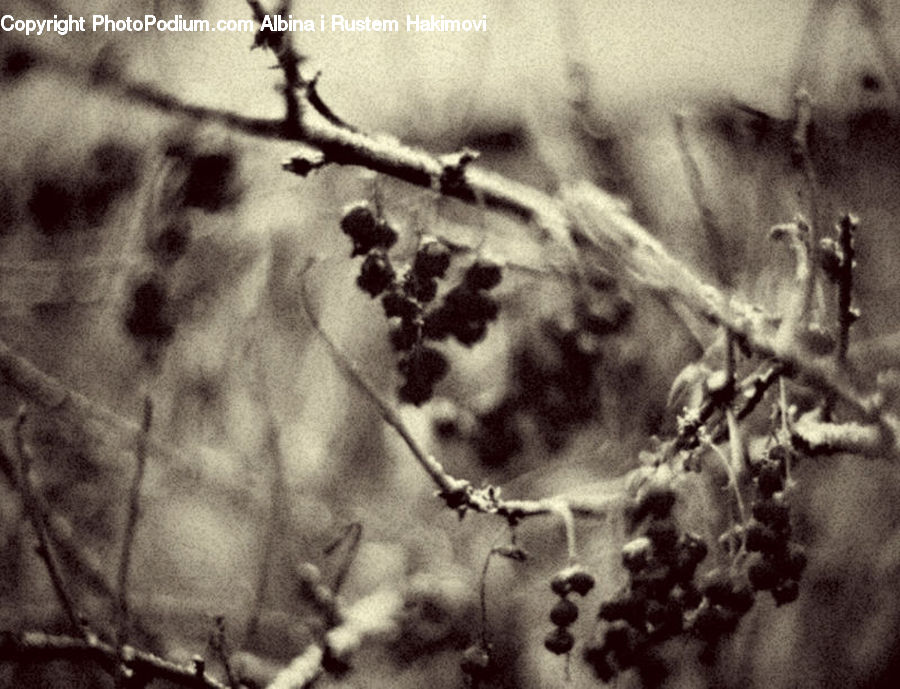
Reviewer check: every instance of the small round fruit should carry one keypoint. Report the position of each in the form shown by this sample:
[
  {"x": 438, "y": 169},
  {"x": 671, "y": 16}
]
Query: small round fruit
[
  {"x": 564, "y": 613},
  {"x": 376, "y": 274},
  {"x": 475, "y": 661},
  {"x": 581, "y": 582},
  {"x": 763, "y": 575},
  {"x": 483, "y": 275},
  {"x": 636, "y": 554},
  {"x": 786, "y": 592},
  {"x": 560, "y": 583},
  {"x": 432, "y": 260},
  {"x": 559, "y": 641}
]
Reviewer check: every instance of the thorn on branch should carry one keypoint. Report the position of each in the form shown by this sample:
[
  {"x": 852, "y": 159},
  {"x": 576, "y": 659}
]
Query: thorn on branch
[
  {"x": 453, "y": 173},
  {"x": 304, "y": 163}
]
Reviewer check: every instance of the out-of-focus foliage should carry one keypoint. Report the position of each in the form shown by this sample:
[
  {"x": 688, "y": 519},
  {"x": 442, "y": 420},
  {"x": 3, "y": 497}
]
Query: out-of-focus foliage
[{"x": 144, "y": 255}]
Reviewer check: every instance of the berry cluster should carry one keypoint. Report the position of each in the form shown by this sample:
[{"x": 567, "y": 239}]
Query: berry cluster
[
  {"x": 199, "y": 180},
  {"x": 661, "y": 593},
  {"x": 61, "y": 203},
  {"x": 555, "y": 382},
  {"x": 777, "y": 563},
  {"x": 467, "y": 308},
  {"x": 464, "y": 311},
  {"x": 573, "y": 579}
]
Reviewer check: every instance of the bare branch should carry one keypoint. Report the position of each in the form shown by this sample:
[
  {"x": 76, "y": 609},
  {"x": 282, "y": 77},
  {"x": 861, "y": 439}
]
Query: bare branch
[
  {"x": 134, "y": 503},
  {"x": 39, "y": 523},
  {"x": 457, "y": 493},
  {"x": 643, "y": 257},
  {"x": 38, "y": 647}
]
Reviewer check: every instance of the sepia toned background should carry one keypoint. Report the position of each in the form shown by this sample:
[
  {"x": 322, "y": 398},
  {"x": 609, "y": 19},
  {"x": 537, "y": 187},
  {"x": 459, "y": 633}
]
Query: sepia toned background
[{"x": 276, "y": 452}]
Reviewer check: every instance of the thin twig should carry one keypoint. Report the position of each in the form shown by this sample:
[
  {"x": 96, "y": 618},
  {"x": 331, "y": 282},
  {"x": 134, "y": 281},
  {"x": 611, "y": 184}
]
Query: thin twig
[
  {"x": 219, "y": 644},
  {"x": 134, "y": 509},
  {"x": 712, "y": 229},
  {"x": 350, "y": 540},
  {"x": 457, "y": 493},
  {"x": 275, "y": 526},
  {"x": 800, "y": 142},
  {"x": 846, "y": 229},
  {"x": 644, "y": 258},
  {"x": 38, "y": 522},
  {"x": 732, "y": 478},
  {"x": 37, "y": 647}
]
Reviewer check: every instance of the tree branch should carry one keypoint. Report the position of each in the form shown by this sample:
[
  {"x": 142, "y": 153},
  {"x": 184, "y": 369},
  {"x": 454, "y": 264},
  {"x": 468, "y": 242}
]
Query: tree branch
[
  {"x": 38, "y": 647},
  {"x": 39, "y": 523},
  {"x": 134, "y": 502}
]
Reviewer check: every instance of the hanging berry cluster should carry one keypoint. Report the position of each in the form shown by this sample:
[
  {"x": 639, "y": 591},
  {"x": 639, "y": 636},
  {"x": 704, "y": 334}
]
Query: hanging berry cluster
[
  {"x": 661, "y": 593},
  {"x": 777, "y": 563},
  {"x": 573, "y": 579},
  {"x": 464, "y": 311},
  {"x": 205, "y": 181},
  {"x": 555, "y": 384}
]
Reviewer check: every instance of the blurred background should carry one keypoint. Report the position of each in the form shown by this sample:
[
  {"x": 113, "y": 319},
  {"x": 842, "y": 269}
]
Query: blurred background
[{"x": 144, "y": 254}]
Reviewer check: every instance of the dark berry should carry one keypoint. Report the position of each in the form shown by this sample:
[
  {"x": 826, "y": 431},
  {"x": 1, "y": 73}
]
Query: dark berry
[
  {"x": 423, "y": 368},
  {"x": 786, "y": 592},
  {"x": 655, "y": 581},
  {"x": 741, "y": 599},
  {"x": 596, "y": 656},
  {"x": 760, "y": 538},
  {"x": 472, "y": 305},
  {"x": 438, "y": 324},
  {"x": 559, "y": 641},
  {"x": 16, "y": 62},
  {"x": 211, "y": 184},
  {"x": 424, "y": 362},
  {"x": 581, "y": 582},
  {"x": 779, "y": 454},
  {"x": 416, "y": 391},
  {"x": 483, "y": 275},
  {"x": 404, "y": 336},
  {"x": 469, "y": 332},
  {"x": 691, "y": 550},
  {"x": 560, "y": 584},
  {"x": 622, "y": 641},
  {"x": 627, "y": 608},
  {"x": 773, "y": 514},
  {"x": 763, "y": 575},
  {"x": 421, "y": 288},
  {"x": 663, "y": 535},
  {"x": 148, "y": 317},
  {"x": 636, "y": 554},
  {"x": 725, "y": 594},
  {"x": 55, "y": 205},
  {"x": 431, "y": 261},
  {"x": 714, "y": 622},
  {"x": 475, "y": 661},
  {"x": 657, "y": 502},
  {"x": 114, "y": 168},
  {"x": 686, "y": 595},
  {"x": 359, "y": 224},
  {"x": 564, "y": 613},
  {"x": 398, "y": 305},
  {"x": 376, "y": 274},
  {"x": 794, "y": 561},
  {"x": 366, "y": 231},
  {"x": 769, "y": 480}
]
